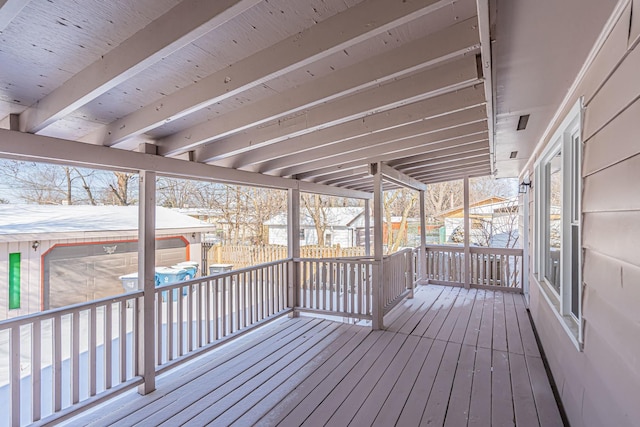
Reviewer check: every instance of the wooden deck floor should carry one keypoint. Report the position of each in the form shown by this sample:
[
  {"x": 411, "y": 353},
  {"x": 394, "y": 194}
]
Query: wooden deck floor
[{"x": 450, "y": 356}]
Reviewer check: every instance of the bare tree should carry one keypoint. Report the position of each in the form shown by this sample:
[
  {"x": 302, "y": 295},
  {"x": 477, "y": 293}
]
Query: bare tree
[{"x": 315, "y": 206}]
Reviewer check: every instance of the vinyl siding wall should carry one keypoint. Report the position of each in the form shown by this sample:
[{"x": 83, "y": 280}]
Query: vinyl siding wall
[{"x": 600, "y": 386}]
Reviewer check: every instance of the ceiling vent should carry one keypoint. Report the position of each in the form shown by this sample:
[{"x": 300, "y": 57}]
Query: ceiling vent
[{"x": 522, "y": 122}]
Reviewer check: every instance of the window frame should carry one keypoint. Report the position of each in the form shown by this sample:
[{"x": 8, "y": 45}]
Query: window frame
[{"x": 566, "y": 139}]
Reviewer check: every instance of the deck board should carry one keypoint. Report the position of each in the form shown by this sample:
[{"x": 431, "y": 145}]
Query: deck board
[{"x": 450, "y": 356}]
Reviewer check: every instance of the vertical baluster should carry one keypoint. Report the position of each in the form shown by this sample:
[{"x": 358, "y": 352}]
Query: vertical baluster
[
  {"x": 93, "y": 350},
  {"x": 160, "y": 338},
  {"x": 304, "y": 285},
  {"x": 272, "y": 289},
  {"x": 237, "y": 301},
  {"x": 14, "y": 368},
  {"x": 277, "y": 272},
  {"x": 245, "y": 306},
  {"x": 134, "y": 335},
  {"x": 331, "y": 283},
  {"x": 36, "y": 370},
  {"x": 352, "y": 286},
  {"x": 123, "y": 341},
  {"x": 194, "y": 292},
  {"x": 190, "y": 319},
  {"x": 75, "y": 357},
  {"x": 169, "y": 325},
  {"x": 344, "y": 283},
  {"x": 229, "y": 304},
  {"x": 252, "y": 300},
  {"x": 223, "y": 308},
  {"x": 216, "y": 310},
  {"x": 179, "y": 321},
  {"x": 265, "y": 292},
  {"x": 106, "y": 345},
  {"x": 206, "y": 286},
  {"x": 57, "y": 363},
  {"x": 315, "y": 296}
]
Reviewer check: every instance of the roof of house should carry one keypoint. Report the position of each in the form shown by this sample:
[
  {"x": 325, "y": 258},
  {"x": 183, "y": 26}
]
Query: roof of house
[
  {"x": 336, "y": 217},
  {"x": 26, "y": 222},
  {"x": 497, "y": 201}
]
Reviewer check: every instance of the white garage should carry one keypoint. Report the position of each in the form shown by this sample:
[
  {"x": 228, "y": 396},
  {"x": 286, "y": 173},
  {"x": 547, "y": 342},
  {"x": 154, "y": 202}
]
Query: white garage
[{"x": 64, "y": 255}]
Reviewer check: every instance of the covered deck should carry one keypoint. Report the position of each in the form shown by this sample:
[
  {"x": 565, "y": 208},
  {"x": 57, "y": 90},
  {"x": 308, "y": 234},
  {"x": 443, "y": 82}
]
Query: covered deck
[{"x": 449, "y": 356}]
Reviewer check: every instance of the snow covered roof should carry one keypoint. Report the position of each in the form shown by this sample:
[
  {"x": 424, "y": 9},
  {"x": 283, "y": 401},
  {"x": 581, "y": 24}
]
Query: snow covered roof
[
  {"x": 336, "y": 217},
  {"x": 30, "y": 222}
]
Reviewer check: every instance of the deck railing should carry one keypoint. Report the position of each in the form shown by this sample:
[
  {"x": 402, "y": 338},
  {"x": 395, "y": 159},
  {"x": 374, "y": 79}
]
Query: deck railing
[
  {"x": 192, "y": 315},
  {"x": 491, "y": 267},
  {"x": 53, "y": 360},
  {"x": 398, "y": 278},
  {"x": 336, "y": 286}
]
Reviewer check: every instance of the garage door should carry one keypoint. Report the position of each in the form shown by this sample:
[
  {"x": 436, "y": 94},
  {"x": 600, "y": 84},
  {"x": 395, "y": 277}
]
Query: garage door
[{"x": 81, "y": 273}]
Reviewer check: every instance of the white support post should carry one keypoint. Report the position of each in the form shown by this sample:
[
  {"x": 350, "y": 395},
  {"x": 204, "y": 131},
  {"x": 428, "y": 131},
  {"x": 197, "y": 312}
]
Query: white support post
[
  {"x": 367, "y": 227},
  {"x": 422, "y": 253},
  {"x": 378, "y": 250},
  {"x": 293, "y": 246},
  {"x": 467, "y": 229},
  {"x": 146, "y": 282}
]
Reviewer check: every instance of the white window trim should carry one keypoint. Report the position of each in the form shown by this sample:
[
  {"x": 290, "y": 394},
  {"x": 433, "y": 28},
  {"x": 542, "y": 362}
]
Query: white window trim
[{"x": 561, "y": 302}]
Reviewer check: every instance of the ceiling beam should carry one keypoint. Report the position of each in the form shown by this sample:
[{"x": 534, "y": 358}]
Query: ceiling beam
[
  {"x": 459, "y": 165},
  {"x": 387, "y": 150},
  {"x": 354, "y": 25},
  {"x": 25, "y": 146},
  {"x": 454, "y": 172},
  {"x": 427, "y": 84},
  {"x": 470, "y": 134},
  {"x": 454, "y": 153},
  {"x": 183, "y": 24},
  {"x": 412, "y": 162},
  {"x": 487, "y": 71},
  {"x": 453, "y": 177},
  {"x": 449, "y": 161},
  {"x": 9, "y": 9},
  {"x": 368, "y": 125},
  {"x": 445, "y": 45},
  {"x": 397, "y": 177},
  {"x": 377, "y": 143}
]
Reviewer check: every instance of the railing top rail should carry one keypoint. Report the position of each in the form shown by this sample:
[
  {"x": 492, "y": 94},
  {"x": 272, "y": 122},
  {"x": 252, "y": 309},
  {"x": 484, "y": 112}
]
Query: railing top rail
[
  {"x": 496, "y": 251},
  {"x": 62, "y": 311},
  {"x": 445, "y": 248},
  {"x": 340, "y": 259},
  {"x": 222, "y": 275}
]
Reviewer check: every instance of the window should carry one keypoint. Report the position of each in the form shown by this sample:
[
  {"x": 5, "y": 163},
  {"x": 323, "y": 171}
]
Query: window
[
  {"x": 14, "y": 281},
  {"x": 558, "y": 214}
]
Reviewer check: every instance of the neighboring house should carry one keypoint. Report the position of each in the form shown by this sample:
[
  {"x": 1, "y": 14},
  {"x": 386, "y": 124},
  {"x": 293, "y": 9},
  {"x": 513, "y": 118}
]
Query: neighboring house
[
  {"x": 52, "y": 256},
  {"x": 345, "y": 227},
  {"x": 494, "y": 222}
]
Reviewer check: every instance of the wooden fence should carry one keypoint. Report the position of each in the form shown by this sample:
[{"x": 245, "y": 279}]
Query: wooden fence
[{"x": 246, "y": 256}]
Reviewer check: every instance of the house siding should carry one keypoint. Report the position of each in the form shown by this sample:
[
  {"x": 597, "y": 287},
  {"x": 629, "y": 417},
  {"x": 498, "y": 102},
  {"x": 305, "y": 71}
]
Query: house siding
[{"x": 600, "y": 385}]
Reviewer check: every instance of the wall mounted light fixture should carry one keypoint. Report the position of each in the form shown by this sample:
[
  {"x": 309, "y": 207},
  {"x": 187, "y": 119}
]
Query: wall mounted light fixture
[
  {"x": 35, "y": 245},
  {"x": 524, "y": 187}
]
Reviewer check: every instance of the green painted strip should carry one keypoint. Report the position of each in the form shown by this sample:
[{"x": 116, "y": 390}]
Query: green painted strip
[{"x": 14, "y": 281}]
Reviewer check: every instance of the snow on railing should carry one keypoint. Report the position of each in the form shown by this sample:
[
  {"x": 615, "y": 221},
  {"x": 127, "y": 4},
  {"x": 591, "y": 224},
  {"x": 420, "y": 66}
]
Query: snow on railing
[{"x": 56, "y": 359}]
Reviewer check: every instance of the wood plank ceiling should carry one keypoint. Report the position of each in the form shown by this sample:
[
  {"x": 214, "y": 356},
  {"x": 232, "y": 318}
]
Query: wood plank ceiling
[{"x": 314, "y": 90}]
